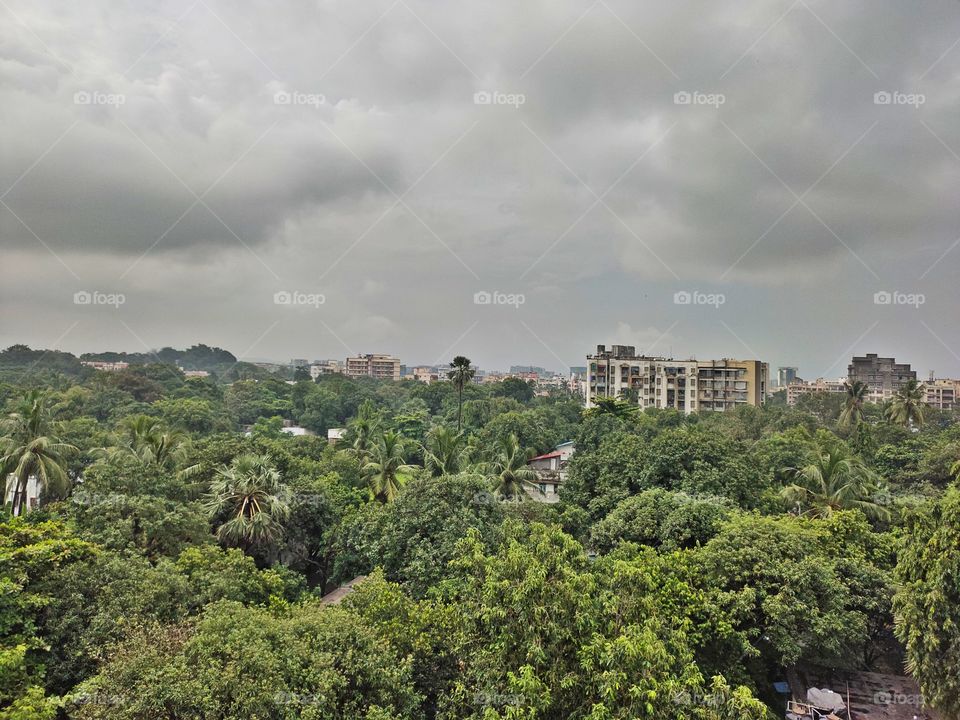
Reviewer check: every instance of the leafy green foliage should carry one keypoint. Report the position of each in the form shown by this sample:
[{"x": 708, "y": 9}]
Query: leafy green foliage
[{"x": 927, "y": 604}]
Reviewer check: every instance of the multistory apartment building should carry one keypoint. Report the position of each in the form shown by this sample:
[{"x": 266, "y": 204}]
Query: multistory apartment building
[
  {"x": 667, "y": 383},
  {"x": 884, "y": 376},
  {"x": 943, "y": 394},
  {"x": 383, "y": 367},
  {"x": 724, "y": 384},
  {"x": 796, "y": 390}
]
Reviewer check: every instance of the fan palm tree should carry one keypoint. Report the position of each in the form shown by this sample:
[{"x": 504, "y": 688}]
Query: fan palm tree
[
  {"x": 250, "y": 502},
  {"x": 509, "y": 471},
  {"x": 461, "y": 373},
  {"x": 444, "y": 452},
  {"x": 29, "y": 447},
  {"x": 386, "y": 469},
  {"x": 852, "y": 413},
  {"x": 835, "y": 480},
  {"x": 618, "y": 407},
  {"x": 907, "y": 405}
]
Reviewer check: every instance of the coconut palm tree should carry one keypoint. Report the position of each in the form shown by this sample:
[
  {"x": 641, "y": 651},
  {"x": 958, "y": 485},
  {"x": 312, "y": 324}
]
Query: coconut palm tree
[
  {"x": 835, "y": 480},
  {"x": 29, "y": 447},
  {"x": 362, "y": 429},
  {"x": 907, "y": 405},
  {"x": 249, "y": 502},
  {"x": 461, "y": 373},
  {"x": 852, "y": 414},
  {"x": 444, "y": 451},
  {"x": 618, "y": 407},
  {"x": 386, "y": 469},
  {"x": 509, "y": 471},
  {"x": 146, "y": 439}
]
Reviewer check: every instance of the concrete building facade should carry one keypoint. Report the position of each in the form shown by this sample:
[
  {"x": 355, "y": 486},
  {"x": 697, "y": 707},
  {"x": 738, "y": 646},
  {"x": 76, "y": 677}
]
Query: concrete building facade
[
  {"x": 375, "y": 365},
  {"x": 683, "y": 385},
  {"x": 796, "y": 390},
  {"x": 884, "y": 376}
]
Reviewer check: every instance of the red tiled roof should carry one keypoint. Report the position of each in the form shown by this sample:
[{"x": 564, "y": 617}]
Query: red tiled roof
[{"x": 546, "y": 456}]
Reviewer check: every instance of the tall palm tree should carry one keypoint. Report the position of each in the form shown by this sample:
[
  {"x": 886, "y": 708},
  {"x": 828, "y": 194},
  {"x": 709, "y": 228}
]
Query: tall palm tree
[
  {"x": 29, "y": 447},
  {"x": 907, "y": 405},
  {"x": 444, "y": 451},
  {"x": 147, "y": 439},
  {"x": 618, "y": 407},
  {"x": 362, "y": 429},
  {"x": 509, "y": 471},
  {"x": 386, "y": 469},
  {"x": 250, "y": 502},
  {"x": 835, "y": 480},
  {"x": 461, "y": 373},
  {"x": 852, "y": 413}
]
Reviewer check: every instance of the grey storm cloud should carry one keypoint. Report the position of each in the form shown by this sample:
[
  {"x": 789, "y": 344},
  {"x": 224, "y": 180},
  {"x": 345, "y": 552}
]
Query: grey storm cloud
[{"x": 202, "y": 155}]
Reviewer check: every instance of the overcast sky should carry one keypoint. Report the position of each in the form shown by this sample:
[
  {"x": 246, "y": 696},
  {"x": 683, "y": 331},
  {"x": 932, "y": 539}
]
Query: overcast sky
[{"x": 384, "y": 161}]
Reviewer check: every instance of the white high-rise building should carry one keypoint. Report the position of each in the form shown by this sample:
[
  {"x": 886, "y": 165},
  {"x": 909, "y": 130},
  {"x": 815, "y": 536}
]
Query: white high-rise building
[{"x": 684, "y": 385}]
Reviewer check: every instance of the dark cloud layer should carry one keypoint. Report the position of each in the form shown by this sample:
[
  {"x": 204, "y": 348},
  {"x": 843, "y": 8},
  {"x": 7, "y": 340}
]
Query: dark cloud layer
[{"x": 198, "y": 157}]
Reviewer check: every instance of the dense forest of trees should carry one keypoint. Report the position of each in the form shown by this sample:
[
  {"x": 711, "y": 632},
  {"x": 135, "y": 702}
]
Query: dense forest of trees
[{"x": 175, "y": 564}]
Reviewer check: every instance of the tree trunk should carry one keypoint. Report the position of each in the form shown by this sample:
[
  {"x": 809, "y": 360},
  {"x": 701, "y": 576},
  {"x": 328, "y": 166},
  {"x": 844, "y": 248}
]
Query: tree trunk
[{"x": 20, "y": 494}]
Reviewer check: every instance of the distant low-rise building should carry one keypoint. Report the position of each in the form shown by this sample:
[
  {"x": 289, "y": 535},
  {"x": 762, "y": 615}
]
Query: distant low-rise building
[
  {"x": 551, "y": 470},
  {"x": 799, "y": 388},
  {"x": 325, "y": 367},
  {"x": 297, "y": 431},
  {"x": 11, "y": 497},
  {"x": 426, "y": 374},
  {"x": 375, "y": 365},
  {"x": 105, "y": 366}
]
